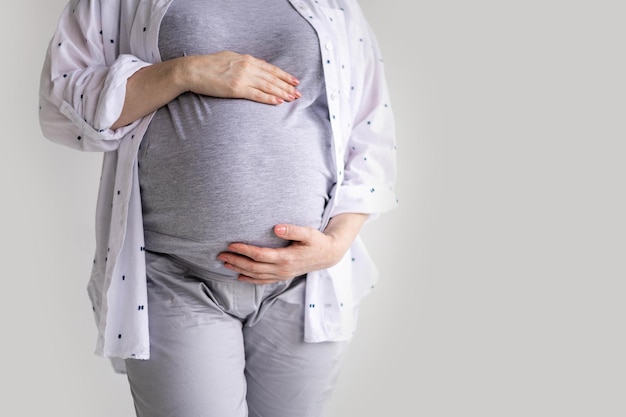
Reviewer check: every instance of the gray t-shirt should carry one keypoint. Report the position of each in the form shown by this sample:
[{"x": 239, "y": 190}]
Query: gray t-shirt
[{"x": 214, "y": 171}]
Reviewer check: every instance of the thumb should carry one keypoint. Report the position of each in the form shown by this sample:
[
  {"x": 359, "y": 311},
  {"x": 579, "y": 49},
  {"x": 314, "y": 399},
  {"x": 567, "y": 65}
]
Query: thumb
[{"x": 292, "y": 232}]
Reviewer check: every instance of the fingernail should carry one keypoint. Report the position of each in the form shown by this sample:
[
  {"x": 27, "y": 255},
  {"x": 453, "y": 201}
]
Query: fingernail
[
  {"x": 280, "y": 230},
  {"x": 298, "y": 94},
  {"x": 295, "y": 81}
]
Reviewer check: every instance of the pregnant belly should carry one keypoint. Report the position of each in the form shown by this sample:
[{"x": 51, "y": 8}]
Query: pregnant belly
[{"x": 205, "y": 185}]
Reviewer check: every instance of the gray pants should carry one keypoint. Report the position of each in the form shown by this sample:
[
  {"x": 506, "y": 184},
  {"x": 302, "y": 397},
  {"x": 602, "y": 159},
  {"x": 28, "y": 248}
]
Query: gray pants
[{"x": 223, "y": 348}]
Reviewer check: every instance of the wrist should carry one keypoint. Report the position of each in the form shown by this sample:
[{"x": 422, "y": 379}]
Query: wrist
[
  {"x": 182, "y": 74},
  {"x": 342, "y": 230},
  {"x": 339, "y": 246}
]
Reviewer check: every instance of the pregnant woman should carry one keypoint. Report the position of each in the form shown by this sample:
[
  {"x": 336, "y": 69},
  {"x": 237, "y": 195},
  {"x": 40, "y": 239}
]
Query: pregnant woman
[{"x": 245, "y": 145}]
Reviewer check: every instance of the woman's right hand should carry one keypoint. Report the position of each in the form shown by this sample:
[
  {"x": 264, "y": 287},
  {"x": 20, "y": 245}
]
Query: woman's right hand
[
  {"x": 232, "y": 75},
  {"x": 223, "y": 74}
]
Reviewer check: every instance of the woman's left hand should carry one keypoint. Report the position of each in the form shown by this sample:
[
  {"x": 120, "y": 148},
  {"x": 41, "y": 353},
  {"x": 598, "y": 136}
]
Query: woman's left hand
[{"x": 309, "y": 250}]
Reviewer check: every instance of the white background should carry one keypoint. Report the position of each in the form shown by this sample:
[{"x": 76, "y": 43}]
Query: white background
[{"x": 502, "y": 290}]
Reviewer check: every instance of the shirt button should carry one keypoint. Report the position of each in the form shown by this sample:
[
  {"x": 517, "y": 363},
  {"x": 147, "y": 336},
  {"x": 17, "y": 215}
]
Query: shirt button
[
  {"x": 301, "y": 6},
  {"x": 329, "y": 46},
  {"x": 334, "y": 95}
]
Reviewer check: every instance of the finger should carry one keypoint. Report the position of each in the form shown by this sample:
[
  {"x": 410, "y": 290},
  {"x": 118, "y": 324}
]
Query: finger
[
  {"x": 270, "y": 84},
  {"x": 247, "y": 265},
  {"x": 294, "y": 233},
  {"x": 263, "y": 92},
  {"x": 273, "y": 80},
  {"x": 278, "y": 72},
  {"x": 284, "y": 266},
  {"x": 263, "y": 97},
  {"x": 252, "y": 253},
  {"x": 250, "y": 272}
]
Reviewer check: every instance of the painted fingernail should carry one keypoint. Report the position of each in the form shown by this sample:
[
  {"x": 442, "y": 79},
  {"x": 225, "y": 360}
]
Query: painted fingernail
[{"x": 298, "y": 94}]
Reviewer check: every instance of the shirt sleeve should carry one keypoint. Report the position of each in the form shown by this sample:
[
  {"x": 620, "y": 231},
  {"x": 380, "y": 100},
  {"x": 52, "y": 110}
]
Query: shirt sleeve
[
  {"x": 83, "y": 81},
  {"x": 370, "y": 156}
]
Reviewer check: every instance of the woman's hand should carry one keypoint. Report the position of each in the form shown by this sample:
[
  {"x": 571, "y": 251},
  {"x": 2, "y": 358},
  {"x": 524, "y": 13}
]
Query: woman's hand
[
  {"x": 232, "y": 75},
  {"x": 310, "y": 250},
  {"x": 224, "y": 74}
]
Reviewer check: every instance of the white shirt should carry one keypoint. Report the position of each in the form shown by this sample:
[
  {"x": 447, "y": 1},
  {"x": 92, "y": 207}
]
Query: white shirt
[{"x": 99, "y": 44}]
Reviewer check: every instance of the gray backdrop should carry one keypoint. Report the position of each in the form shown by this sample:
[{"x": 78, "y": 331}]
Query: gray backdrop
[{"x": 502, "y": 271}]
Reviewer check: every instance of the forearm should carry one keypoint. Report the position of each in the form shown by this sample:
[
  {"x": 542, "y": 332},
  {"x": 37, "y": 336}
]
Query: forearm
[
  {"x": 344, "y": 228},
  {"x": 223, "y": 74},
  {"x": 151, "y": 88}
]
